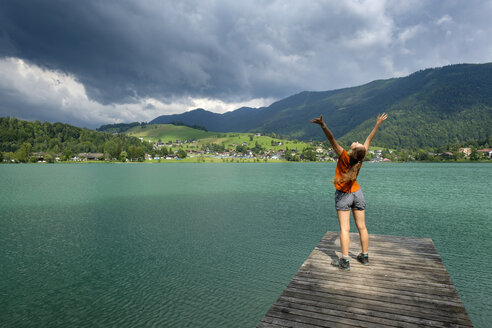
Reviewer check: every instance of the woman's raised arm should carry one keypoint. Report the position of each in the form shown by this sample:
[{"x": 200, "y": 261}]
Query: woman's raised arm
[
  {"x": 381, "y": 118},
  {"x": 334, "y": 144}
]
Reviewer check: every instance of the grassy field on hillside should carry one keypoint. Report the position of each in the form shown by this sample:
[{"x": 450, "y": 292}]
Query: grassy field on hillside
[{"x": 170, "y": 133}]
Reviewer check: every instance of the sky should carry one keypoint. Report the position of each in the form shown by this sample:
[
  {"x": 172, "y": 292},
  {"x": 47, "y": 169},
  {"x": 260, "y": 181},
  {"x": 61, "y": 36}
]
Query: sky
[{"x": 95, "y": 62}]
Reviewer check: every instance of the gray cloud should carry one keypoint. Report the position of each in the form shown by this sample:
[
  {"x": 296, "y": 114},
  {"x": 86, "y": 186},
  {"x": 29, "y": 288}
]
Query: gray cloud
[{"x": 125, "y": 51}]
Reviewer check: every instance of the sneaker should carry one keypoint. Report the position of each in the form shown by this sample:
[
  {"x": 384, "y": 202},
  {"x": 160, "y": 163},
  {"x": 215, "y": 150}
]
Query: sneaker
[
  {"x": 363, "y": 259},
  {"x": 342, "y": 264}
]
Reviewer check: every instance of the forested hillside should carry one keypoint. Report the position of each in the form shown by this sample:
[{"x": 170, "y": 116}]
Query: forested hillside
[{"x": 20, "y": 138}]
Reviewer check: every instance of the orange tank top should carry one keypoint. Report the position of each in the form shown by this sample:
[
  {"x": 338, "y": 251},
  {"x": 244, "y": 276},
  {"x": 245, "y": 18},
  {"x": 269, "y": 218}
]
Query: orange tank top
[{"x": 343, "y": 165}]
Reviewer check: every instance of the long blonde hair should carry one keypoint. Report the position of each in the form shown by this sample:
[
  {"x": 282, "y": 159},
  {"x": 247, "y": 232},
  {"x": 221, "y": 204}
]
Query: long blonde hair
[{"x": 357, "y": 156}]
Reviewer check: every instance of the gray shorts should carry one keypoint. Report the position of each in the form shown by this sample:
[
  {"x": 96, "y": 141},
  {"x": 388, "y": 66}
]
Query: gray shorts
[{"x": 347, "y": 201}]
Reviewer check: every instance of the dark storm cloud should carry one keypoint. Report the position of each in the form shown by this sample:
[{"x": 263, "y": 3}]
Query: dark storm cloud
[
  {"x": 125, "y": 51},
  {"x": 121, "y": 50}
]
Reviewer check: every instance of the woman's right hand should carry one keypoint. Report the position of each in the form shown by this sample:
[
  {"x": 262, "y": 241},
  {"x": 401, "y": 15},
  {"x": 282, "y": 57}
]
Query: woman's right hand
[{"x": 318, "y": 120}]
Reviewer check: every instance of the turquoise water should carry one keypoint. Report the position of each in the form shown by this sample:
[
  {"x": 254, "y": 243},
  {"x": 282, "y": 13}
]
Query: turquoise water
[{"x": 212, "y": 245}]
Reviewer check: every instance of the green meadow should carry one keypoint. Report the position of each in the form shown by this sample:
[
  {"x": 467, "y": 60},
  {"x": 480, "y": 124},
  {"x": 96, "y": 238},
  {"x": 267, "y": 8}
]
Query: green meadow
[{"x": 171, "y": 133}]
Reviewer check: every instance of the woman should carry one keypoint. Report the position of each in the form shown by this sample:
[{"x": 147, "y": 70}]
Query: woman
[{"x": 348, "y": 195}]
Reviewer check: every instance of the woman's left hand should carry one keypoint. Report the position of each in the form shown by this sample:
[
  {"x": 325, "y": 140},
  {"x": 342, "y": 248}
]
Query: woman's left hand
[
  {"x": 382, "y": 117},
  {"x": 318, "y": 120}
]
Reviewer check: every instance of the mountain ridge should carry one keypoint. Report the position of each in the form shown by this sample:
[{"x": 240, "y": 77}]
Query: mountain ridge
[{"x": 428, "y": 108}]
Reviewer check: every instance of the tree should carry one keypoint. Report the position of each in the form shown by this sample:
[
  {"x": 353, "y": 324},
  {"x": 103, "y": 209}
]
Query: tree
[
  {"x": 458, "y": 155},
  {"x": 241, "y": 149},
  {"x": 55, "y": 149},
  {"x": 289, "y": 156},
  {"x": 22, "y": 155},
  {"x": 67, "y": 154},
  {"x": 257, "y": 148},
  {"x": 309, "y": 154},
  {"x": 136, "y": 153},
  {"x": 474, "y": 156},
  {"x": 421, "y": 155},
  {"x": 181, "y": 153},
  {"x": 123, "y": 156},
  {"x": 112, "y": 148},
  {"x": 163, "y": 151},
  {"x": 49, "y": 158}
]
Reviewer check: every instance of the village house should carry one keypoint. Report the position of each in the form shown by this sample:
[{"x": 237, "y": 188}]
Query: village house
[
  {"x": 88, "y": 157},
  {"x": 447, "y": 155},
  {"x": 466, "y": 151},
  {"x": 486, "y": 152},
  {"x": 39, "y": 156}
]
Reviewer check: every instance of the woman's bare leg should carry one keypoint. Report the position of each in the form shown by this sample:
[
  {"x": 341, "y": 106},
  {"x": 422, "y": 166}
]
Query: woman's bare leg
[
  {"x": 344, "y": 222},
  {"x": 360, "y": 222}
]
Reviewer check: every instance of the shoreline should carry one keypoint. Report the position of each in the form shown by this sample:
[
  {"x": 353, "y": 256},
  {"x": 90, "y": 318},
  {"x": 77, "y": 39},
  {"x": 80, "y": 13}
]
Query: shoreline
[{"x": 240, "y": 161}]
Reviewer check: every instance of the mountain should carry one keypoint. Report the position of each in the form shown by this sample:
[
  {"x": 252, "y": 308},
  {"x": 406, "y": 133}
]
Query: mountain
[
  {"x": 239, "y": 120},
  {"x": 429, "y": 108}
]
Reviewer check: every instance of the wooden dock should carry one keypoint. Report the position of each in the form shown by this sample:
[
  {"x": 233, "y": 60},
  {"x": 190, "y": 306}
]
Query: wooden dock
[{"x": 405, "y": 285}]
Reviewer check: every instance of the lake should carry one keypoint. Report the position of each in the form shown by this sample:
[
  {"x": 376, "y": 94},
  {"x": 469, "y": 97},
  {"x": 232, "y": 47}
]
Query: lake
[{"x": 213, "y": 245}]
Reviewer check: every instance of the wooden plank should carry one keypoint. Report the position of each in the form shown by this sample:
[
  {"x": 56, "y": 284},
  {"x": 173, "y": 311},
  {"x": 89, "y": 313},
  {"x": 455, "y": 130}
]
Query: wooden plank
[
  {"x": 334, "y": 300},
  {"x": 438, "y": 289},
  {"x": 414, "y": 254},
  {"x": 380, "y": 271},
  {"x": 428, "y": 267},
  {"x": 395, "y": 276},
  {"x": 405, "y": 285},
  {"x": 387, "y": 300},
  {"x": 371, "y": 285},
  {"x": 307, "y": 317},
  {"x": 272, "y": 321},
  {"x": 362, "y": 315},
  {"x": 370, "y": 293}
]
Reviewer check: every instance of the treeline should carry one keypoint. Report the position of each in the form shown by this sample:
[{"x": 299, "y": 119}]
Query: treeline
[
  {"x": 20, "y": 139},
  {"x": 119, "y": 127},
  {"x": 439, "y": 154},
  {"x": 123, "y": 127},
  {"x": 193, "y": 126}
]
